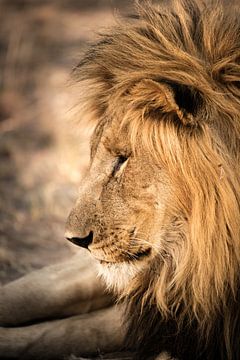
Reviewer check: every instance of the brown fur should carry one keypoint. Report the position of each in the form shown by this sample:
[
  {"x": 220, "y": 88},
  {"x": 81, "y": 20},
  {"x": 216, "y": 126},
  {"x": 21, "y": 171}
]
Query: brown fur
[{"x": 169, "y": 80}]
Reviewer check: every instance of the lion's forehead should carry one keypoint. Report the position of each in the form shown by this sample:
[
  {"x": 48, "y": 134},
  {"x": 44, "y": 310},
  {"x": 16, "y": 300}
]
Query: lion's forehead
[{"x": 112, "y": 136}]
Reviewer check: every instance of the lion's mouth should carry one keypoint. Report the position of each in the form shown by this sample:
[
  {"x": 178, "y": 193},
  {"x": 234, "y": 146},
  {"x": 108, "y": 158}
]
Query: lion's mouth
[
  {"x": 141, "y": 254},
  {"x": 128, "y": 258}
]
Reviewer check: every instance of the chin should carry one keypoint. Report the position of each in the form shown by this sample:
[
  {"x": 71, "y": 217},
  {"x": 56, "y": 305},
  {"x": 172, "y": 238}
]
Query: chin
[{"x": 118, "y": 276}]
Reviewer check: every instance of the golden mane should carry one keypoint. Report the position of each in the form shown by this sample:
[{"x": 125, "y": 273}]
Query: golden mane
[{"x": 171, "y": 75}]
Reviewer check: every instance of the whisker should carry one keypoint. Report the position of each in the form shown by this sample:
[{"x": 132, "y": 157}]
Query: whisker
[
  {"x": 124, "y": 251},
  {"x": 145, "y": 242}
]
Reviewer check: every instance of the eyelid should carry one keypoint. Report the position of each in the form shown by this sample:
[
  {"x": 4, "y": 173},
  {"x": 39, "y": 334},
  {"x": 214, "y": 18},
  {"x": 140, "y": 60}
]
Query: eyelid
[{"x": 121, "y": 160}]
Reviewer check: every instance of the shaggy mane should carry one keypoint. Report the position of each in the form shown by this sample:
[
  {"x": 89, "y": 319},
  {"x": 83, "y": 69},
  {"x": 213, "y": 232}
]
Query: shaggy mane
[{"x": 171, "y": 76}]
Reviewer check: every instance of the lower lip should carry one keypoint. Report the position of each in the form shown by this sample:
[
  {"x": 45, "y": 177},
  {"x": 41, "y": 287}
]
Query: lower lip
[
  {"x": 102, "y": 262},
  {"x": 105, "y": 262}
]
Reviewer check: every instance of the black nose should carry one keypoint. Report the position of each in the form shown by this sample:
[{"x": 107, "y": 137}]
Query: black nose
[{"x": 83, "y": 242}]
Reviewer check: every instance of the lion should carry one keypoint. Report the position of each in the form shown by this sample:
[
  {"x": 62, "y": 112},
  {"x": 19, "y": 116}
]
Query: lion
[{"x": 159, "y": 208}]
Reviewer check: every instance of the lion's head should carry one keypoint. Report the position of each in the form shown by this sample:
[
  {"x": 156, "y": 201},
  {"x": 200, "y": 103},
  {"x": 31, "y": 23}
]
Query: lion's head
[{"x": 160, "y": 205}]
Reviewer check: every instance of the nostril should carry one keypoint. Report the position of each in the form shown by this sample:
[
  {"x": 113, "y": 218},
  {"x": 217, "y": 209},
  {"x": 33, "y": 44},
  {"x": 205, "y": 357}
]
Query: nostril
[{"x": 83, "y": 242}]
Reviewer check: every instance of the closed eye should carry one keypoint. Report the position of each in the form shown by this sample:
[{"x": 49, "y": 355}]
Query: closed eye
[{"x": 121, "y": 159}]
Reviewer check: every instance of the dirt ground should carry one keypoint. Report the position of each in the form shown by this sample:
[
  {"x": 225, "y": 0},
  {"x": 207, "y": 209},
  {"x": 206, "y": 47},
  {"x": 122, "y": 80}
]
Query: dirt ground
[{"x": 42, "y": 153}]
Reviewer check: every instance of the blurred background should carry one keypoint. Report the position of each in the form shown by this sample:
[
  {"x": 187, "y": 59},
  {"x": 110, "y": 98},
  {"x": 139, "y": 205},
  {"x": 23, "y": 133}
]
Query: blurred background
[{"x": 42, "y": 154}]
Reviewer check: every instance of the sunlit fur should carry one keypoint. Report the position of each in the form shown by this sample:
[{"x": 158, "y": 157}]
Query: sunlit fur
[{"x": 171, "y": 75}]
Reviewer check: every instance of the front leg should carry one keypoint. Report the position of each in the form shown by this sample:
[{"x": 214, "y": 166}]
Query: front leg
[
  {"x": 83, "y": 335},
  {"x": 65, "y": 289}
]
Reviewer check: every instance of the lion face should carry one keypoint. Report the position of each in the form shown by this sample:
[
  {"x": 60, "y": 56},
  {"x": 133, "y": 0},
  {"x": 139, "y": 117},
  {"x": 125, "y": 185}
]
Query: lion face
[
  {"x": 120, "y": 214},
  {"x": 159, "y": 207}
]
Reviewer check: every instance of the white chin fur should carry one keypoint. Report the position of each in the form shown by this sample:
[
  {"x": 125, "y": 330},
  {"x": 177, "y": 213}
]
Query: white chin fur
[{"x": 118, "y": 276}]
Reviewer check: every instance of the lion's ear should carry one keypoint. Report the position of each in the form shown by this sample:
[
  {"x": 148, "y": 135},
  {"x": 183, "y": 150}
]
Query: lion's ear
[{"x": 166, "y": 98}]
